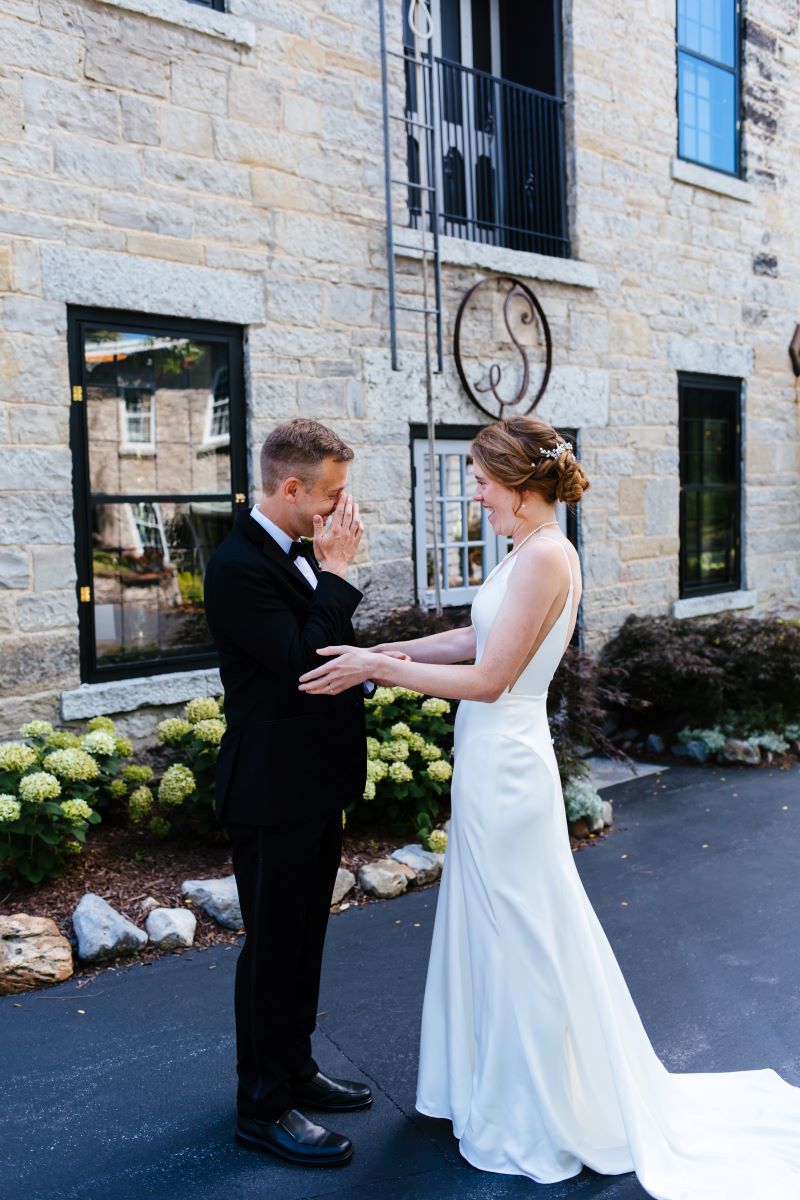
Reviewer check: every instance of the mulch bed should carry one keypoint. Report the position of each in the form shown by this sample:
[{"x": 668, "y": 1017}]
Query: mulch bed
[{"x": 125, "y": 866}]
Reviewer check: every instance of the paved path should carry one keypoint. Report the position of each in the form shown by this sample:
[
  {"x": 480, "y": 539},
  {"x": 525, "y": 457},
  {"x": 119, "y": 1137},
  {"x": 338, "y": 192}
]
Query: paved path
[{"x": 132, "y": 1099}]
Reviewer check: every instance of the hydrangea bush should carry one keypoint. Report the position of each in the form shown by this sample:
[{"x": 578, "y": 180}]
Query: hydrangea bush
[
  {"x": 51, "y": 786},
  {"x": 409, "y": 739},
  {"x": 182, "y": 800}
]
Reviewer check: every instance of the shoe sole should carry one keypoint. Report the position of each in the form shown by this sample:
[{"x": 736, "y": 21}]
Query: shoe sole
[
  {"x": 248, "y": 1143},
  {"x": 330, "y": 1108}
]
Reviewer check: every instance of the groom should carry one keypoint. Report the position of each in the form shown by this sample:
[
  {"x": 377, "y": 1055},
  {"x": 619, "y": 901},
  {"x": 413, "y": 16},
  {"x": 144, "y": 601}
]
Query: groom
[{"x": 288, "y": 764}]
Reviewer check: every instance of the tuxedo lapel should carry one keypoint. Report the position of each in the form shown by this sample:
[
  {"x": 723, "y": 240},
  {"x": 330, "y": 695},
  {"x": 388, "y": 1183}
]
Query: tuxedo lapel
[{"x": 272, "y": 551}]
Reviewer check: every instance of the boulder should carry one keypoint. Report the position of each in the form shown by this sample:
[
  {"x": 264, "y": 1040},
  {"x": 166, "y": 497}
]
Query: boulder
[
  {"x": 384, "y": 878},
  {"x": 345, "y": 882},
  {"x": 102, "y": 932},
  {"x": 608, "y": 812},
  {"x": 217, "y": 897},
  {"x": 696, "y": 750},
  {"x": 595, "y": 823},
  {"x": 735, "y": 751},
  {"x": 32, "y": 954},
  {"x": 171, "y": 928},
  {"x": 148, "y": 904},
  {"x": 423, "y": 863},
  {"x": 654, "y": 743}
]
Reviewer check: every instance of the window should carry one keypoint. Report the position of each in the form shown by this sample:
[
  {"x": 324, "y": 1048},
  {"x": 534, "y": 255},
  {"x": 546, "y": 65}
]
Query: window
[
  {"x": 497, "y": 107},
  {"x": 159, "y": 462},
  {"x": 468, "y": 546},
  {"x": 708, "y": 83},
  {"x": 217, "y": 5},
  {"x": 710, "y": 473}
]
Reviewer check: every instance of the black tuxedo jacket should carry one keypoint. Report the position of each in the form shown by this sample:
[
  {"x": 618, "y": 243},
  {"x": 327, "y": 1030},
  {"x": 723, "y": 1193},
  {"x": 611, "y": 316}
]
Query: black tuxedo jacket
[{"x": 286, "y": 757}]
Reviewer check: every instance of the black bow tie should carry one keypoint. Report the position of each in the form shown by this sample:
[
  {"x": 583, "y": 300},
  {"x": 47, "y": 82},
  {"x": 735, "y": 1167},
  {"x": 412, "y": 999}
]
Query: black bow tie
[{"x": 301, "y": 549}]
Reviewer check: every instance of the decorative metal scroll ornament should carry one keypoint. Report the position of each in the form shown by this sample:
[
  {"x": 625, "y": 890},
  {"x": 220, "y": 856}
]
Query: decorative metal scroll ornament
[{"x": 533, "y": 311}]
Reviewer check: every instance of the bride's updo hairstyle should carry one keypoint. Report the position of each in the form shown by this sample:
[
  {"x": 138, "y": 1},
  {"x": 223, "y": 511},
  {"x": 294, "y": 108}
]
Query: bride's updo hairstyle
[{"x": 510, "y": 452}]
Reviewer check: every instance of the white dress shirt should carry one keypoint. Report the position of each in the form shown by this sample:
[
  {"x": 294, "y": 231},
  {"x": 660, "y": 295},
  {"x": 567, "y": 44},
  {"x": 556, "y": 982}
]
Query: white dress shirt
[{"x": 301, "y": 562}]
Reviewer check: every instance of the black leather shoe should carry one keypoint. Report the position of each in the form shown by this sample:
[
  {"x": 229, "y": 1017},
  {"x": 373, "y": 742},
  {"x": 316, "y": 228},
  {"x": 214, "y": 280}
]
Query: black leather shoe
[
  {"x": 331, "y": 1095},
  {"x": 295, "y": 1139}
]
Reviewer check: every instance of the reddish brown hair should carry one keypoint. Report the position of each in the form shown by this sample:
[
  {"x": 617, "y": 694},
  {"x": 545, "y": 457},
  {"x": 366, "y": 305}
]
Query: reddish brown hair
[{"x": 510, "y": 453}]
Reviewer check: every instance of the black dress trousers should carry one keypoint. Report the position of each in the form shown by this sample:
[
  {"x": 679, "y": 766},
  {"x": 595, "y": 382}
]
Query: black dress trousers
[{"x": 285, "y": 879}]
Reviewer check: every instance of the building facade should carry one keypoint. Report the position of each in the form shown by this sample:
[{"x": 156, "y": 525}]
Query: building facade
[{"x": 193, "y": 246}]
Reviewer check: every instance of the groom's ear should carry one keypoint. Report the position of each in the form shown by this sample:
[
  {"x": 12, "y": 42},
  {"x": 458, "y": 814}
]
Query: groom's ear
[{"x": 290, "y": 488}]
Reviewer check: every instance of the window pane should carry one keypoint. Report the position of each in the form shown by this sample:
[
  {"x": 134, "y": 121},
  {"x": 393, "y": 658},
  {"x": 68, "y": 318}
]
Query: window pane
[
  {"x": 710, "y": 560},
  {"x": 710, "y": 444},
  {"x": 708, "y": 28},
  {"x": 707, "y": 118},
  {"x": 157, "y": 412},
  {"x": 148, "y": 563}
]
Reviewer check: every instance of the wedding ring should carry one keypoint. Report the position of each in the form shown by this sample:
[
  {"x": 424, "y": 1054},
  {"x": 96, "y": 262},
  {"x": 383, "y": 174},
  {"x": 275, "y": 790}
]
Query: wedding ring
[{"x": 330, "y": 688}]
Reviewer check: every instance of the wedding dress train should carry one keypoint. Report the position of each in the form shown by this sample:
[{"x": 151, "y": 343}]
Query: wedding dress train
[{"x": 531, "y": 1043}]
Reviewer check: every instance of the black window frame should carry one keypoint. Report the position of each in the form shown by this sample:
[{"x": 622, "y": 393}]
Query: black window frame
[
  {"x": 733, "y": 387},
  {"x": 83, "y": 498},
  {"x": 215, "y": 5},
  {"x": 736, "y": 71}
]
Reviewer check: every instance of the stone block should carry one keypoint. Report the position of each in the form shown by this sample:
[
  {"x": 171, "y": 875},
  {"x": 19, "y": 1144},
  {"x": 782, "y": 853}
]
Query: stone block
[
  {"x": 93, "y": 112},
  {"x": 154, "y": 216},
  {"x": 27, "y": 276},
  {"x": 14, "y": 568},
  {"x": 31, "y": 47},
  {"x": 53, "y": 567},
  {"x": 47, "y": 470},
  {"x": 33, "y": 954},
  {"x": 44, "y": 517},
  {"x": 155, "y": 245},
  {"x": 122, "y": 68},
  {"x": 47, "y": 610},
  {"x": 29, "y": 314},
  {"x": 8, "y": 622},
  {"x": 5, "y": 268},
  {"x": 322, "y": 399},
  {"x": 140, "y": 120},
  {"x": 119, "y": 167},
  {"x": 198, "y": 83},
  {"x": 301, "y": 115},
  {"x": 12, "y": 111},
  {"x": 187, "y": 132},
  {"x": 254, "y": 98}
]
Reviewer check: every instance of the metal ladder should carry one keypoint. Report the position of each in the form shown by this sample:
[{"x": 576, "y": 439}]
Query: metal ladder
[{"x": 422, "y": 119}]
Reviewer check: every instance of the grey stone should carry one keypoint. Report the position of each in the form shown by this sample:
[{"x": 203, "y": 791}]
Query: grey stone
[
  {"x": 102, "y": 932},
  {"x": 39, "y": 660},
  {"x": 654, "y": 743},
  {"x": 53, "y": 567},
  {"x": 423, "y": 863},
  {"x": 14, "y": 570},
  {"x": 33, "y": 953},
  {"x": 595, "y": 823},
  {"x": 148, "y": 904},
  {"x": 219, "y": 898},
  {"x": 735, "y": 751},
  {"x": 345, "y": 882},
  {"x": 124, "y": 695},
  {"x": 171, "y": 928},
  {"x": 695, "y": 750},
  {"x": 608, "y": 812},
  {"x": 384, "y": 878},
  {"x": 47, "y": 610}
]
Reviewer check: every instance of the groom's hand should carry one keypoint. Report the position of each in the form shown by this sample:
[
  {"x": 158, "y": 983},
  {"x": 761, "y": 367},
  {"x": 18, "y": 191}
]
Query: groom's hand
[{"x": 336, "y": 544}]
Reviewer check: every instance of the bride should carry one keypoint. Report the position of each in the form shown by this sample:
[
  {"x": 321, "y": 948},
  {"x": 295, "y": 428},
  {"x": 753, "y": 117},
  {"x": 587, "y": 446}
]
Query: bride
[{"x": 531, "y": 1044}]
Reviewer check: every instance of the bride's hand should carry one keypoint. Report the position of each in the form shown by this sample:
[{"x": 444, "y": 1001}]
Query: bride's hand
[{"x": 347, "y": 667}]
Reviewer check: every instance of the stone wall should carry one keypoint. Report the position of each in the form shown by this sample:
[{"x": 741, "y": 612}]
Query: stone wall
[{"x": 158, "y": 157}]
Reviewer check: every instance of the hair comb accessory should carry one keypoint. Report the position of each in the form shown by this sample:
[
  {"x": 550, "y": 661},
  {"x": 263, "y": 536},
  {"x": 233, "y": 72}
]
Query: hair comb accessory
[{"x": 559, "y": 449}]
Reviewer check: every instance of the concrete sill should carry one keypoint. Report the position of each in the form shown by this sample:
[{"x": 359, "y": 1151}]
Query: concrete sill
[
  {"x": 124, "y": 695},
  {"x": 712, "y": 181},
  {"x": 222, "y": 25},
  {"x": 703, "y": 606},
  {"x": 462, "y": 253}
]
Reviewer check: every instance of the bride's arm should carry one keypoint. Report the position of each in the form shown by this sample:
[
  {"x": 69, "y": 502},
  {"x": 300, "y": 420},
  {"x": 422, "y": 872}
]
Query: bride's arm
[
  {"x": 533, "y": 589},
  {"x": 450, "y": 646}
]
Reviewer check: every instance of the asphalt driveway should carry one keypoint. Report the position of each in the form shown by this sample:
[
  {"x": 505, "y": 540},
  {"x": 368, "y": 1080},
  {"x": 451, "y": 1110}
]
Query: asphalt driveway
[{"x": 123, "y": 1088}]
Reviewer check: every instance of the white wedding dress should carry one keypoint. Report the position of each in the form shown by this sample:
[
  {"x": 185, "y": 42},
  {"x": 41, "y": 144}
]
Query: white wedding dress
[{"x": 531, "y": 1043}]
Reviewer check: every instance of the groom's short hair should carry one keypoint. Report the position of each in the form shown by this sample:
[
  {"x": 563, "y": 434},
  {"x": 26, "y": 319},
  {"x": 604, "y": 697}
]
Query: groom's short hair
[{"x": 297, "y": 447}]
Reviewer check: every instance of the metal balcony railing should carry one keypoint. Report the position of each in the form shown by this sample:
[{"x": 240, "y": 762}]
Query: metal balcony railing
[{"x": 500, "y": 169}]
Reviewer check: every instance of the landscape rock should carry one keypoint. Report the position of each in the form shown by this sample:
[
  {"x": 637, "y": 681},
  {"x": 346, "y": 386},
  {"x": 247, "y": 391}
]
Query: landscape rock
[
  {"x": 171, "y": 928},
  {"x": 423, "y": 863},
  {"x": 345, "y": 882},
  {"x": 384, "y": 878},
  {"x": 654, "y": 743},
  {"x": 102, "y": 932},
  {"x": 148, "y": 904},
  {"x": 32, "y": 954},
  {"x": 595, "y": 823},
  {"x": 217, "y": 897},
  {"x": 696, "y": 750},
  {"x": 735, "y": 751},
  {"x": 608, "y": 812}
]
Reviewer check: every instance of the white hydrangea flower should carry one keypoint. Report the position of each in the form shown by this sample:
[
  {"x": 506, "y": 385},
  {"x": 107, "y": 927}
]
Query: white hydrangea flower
[
  {"x": 210, "y": 730},
  {"x": 416, "y": 742},
  {"x": 429, "y": 751},
  {"x": 177, "y": 783},
  {"x": 376, "y": 770},
  {"x": 373, "y": 747},
  {"x": 16, "y": 756},
  {"x": 399, "y": 772},
  {"x": 104, "y": 723},
  {"x": 99, "y": 741},
  {"x": 172, "y": 730},
  {"x": 37, "y": 729},
  {"x": 394, "y": 751},
  {"x": 39, "y": 786},
  {"x": 76, "y": 811},
  {"x": 205, "y": 708},
  {"x": 437, "y": 841},
  {"x": 140, "y": 802},
  {"x": 369, "y": 790},
  {"x": 402, "y": 693},
  {"x": 401, "y": 731},
  {"x": 581, "y": 799},
  {"x": 10, "y": 808},
  {"x": 71, "y": 764},
  {"x": 439, "y": 770},
  {"x": 435, "y": 707},
  {"x": 383, "y": 695}
]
